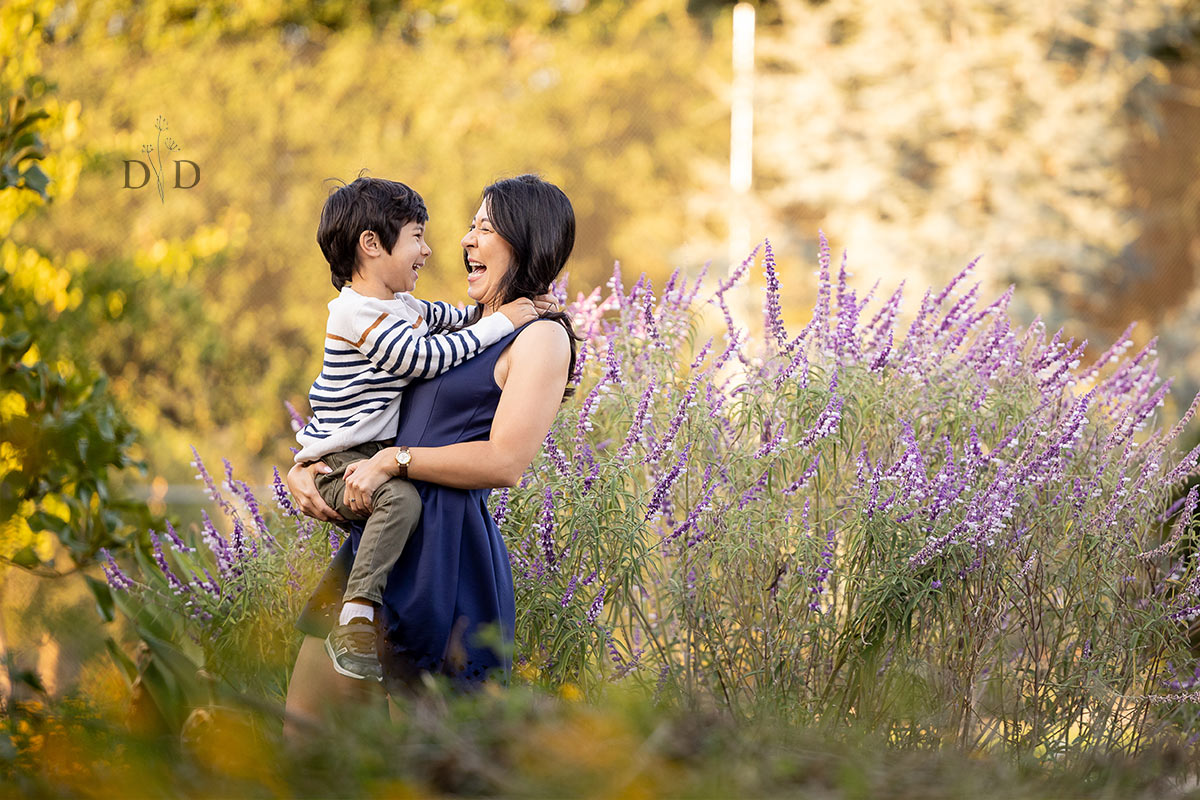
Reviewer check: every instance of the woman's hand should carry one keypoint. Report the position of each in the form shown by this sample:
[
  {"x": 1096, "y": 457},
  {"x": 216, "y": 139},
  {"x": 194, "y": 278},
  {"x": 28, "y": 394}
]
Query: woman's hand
[
  {"x": 303, "y": 487},
  {"x": 364, "y": 477}
]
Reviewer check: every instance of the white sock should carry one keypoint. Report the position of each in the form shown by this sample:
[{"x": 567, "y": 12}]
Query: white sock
[{"x": 350, "y": 610}]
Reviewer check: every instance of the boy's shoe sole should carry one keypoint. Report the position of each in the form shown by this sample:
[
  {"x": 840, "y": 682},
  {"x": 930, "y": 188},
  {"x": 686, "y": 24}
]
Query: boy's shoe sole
[{"x": 376, "y": 673}]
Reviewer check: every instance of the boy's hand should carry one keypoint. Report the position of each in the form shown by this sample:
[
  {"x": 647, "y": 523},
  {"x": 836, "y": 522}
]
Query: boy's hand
[
  {"x": 545, "y": 303},
  {"x": 519, "y": 311}
]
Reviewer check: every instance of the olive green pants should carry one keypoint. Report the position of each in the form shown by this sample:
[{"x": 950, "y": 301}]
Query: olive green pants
[{"x": 395, "y": 510}]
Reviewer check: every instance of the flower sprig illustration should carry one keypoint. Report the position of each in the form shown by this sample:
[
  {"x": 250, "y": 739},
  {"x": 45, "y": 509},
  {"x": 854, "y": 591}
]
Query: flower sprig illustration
[{"x": 160, "y": 124}]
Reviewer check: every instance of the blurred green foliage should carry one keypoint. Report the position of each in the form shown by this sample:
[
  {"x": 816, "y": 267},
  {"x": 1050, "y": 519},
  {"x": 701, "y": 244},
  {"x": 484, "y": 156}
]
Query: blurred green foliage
[
  {"x": 63, "y": 433},
  {"x": 525, "y": 742},
  {"x": 216, "y": 294}
]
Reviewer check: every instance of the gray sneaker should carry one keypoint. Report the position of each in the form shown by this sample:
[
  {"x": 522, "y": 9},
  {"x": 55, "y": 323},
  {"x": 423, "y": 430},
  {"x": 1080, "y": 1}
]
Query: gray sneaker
[{"x": 351, "y": 647}]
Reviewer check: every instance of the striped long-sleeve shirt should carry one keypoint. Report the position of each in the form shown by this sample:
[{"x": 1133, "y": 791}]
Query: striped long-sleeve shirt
[{"x": 373, "y": 349}]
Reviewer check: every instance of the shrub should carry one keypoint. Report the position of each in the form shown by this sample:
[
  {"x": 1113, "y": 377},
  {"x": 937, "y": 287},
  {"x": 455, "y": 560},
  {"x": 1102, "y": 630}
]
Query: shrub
[{"x": 950, "y": 531}]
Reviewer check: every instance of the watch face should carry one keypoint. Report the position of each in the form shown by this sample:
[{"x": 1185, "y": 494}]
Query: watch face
[{"x": 403, "y": 457}]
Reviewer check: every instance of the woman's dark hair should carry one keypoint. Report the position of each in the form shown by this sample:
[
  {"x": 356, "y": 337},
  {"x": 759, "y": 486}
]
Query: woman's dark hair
[
  {"x": 367, "y": 204},
  {"x": 538, "y": 222}
]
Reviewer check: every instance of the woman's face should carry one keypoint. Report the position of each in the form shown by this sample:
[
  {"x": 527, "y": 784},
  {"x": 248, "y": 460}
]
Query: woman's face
[{"x": 488, "y": 258}]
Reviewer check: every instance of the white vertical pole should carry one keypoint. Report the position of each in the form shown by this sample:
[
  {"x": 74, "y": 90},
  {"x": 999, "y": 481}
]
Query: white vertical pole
[{"x": 741, "y": 141}]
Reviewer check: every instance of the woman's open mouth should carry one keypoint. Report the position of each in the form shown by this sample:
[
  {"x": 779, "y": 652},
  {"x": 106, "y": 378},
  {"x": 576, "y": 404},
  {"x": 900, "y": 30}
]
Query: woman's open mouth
[{"x": 475, "y": 270}]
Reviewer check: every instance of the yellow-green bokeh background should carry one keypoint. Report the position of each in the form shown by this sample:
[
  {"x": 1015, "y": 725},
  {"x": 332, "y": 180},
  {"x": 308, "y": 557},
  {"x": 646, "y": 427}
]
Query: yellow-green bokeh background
[{"x": 1058, "y": 139}]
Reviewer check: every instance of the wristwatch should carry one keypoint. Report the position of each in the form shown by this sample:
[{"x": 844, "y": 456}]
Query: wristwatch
[{"x": 403, "y": 457}]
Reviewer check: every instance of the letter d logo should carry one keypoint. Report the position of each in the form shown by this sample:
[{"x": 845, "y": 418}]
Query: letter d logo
[
  {"x": 145, "y": 174},
  {"x": 195, "y": 171}
]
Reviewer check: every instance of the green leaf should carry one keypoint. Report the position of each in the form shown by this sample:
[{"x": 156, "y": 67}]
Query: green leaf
[
  {"x": 36, "y": 179},
  {"x": 41, "y": 521},
  {"x": 104, "y": 599},
  {"x": 26, "y": 557},
  {"x": 123, "y": 662}
]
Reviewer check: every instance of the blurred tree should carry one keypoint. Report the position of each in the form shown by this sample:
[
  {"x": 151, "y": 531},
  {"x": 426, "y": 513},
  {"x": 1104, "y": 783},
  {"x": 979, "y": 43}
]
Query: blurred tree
[
  {"x": 614, "y": 101},
  {"x": 925, "y": 134},
  {"x": 63, "y": 433}
]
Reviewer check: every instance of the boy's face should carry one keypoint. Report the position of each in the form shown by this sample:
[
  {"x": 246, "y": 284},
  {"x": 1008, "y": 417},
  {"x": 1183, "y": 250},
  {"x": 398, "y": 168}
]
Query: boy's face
[{"x": 398, "y": 270}]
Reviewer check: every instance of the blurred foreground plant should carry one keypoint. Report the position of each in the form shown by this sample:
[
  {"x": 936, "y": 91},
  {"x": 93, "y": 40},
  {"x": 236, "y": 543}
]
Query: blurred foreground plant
[{"x": 216, "y": 607}]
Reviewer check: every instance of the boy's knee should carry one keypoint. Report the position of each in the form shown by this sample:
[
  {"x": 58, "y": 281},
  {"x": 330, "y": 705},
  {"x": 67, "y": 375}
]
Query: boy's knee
[{"x": 395, "y": 493}]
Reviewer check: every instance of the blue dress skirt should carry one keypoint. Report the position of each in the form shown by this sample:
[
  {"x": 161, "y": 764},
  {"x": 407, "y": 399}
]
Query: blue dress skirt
[{"x": 448, "y": 604}]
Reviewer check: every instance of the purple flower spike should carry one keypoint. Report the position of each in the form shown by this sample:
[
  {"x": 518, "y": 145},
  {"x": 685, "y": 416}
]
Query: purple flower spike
[
  {"x": 566, "y": 598},
  {"x": 203, "y": 475},
  {"x": 597, "y": 606},
  {"x": 297, "y": 420},
  {"x": 639, "y": 420},
  {"x": 663, "y": 487},
  {"x": 500, "y": 512},
  {"x": 117, "y": 579},
  {"x": 177, "y": 542},
  {"x": 545, "y": 530},
  {"x": 283, "y": 498},
  {"x": 772, "y": 311},
  {"x": 177, "y": 586},
  {"x": 556, "y": 455}
]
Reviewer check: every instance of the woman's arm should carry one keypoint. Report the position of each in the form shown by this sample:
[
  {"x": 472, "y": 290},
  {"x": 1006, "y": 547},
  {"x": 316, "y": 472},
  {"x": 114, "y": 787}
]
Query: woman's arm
[{"x": 537, "y": 374}]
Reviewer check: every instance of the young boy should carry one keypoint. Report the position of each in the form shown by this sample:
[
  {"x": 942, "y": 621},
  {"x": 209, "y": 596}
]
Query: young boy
[{"x": 377, "y": 340}]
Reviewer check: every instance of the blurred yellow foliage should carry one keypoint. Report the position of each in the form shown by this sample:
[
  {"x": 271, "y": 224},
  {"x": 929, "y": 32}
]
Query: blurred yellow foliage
[{"x": 271, "y": 99}]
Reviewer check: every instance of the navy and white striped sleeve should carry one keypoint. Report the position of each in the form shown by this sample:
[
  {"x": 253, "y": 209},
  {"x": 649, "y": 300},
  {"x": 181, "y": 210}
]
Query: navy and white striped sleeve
[
  {"x": 395, "y": 345},
  {"x": 444, "y": 315}
]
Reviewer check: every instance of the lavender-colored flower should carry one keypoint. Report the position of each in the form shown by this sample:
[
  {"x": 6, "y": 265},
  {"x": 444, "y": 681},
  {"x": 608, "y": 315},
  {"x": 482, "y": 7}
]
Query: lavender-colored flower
[
  {"x": 639, "y": 420},
  {"x": 545, "y": 530},
  {"x": 614, "y": 283},
  {"x": 217, "y": 544},
  {"x": 689, "y": 522},
  {"x": 777, "y": 441},
  {"x": 597, "y": 606},
  {"x": 703, "y": 354},
  {"x": 668, "y": 438},
  {"x": 1181, "y": 525},
  {"x": 210, "y": 485},
  {"x": 116, "y": 577},
  {"x": 735, "y": 276},
  {"x": 243, "y": 490},
  {"x": 663, "y": 486},
  {"x": 772, "y": 311},
  {"x": 282, "y": 496},
  {"x": 570, "y": 592},
  {"x": 177, "y": 542},
  {"x": 614, "y": 364},
  {"x": 805, "y": 477},
  {"x": 177, "y": 586},
  {"x": 755, "y": 492},
  {"x": 500, "y": 512},
  {"x": 586, "y": 409},
  {"x": 822, "y": 572},
  {"x": 556, "y": 455}
]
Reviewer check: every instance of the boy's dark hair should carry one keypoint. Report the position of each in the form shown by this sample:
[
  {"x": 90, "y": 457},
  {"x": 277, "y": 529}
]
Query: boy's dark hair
[
  {"x": 367, "y": 204},
  {"x": 537, "y": 220}
]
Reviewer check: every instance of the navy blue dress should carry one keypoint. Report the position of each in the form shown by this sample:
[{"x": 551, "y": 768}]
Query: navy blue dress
[{"x": 448, "y": 604}]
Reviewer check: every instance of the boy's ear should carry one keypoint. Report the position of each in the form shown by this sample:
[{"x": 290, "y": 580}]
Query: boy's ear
[{"x": 368, "y": 243}]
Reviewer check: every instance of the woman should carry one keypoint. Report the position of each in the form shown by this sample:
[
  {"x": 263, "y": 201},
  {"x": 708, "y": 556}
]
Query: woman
[{"x": 471, "y": 429}]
